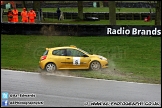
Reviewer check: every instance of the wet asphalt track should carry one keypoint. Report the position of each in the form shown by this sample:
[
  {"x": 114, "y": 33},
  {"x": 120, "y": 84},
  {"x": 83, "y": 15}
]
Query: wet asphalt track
[{"x": 62, "y": 91}]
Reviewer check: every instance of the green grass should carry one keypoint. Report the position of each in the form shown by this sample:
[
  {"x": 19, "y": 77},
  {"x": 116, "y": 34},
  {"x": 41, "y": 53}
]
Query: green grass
[
  {"x": 101, "y": 22},
  {"x": 136, "y": 59},
  {"x": 92, "y": 9}
]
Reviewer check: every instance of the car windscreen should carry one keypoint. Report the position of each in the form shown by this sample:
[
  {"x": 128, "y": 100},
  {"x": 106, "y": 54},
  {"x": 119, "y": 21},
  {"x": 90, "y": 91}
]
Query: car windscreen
[{"x": 83, "y": 51}]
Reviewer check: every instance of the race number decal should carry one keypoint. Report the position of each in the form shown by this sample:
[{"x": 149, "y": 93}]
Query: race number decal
[{"x": 76, "y": 60}]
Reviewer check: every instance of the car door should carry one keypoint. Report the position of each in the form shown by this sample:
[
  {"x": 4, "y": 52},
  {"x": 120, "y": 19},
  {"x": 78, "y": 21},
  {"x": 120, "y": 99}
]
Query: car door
[
  {"x": 75, "y": 59},
  {"x": 59, "y": 58}
]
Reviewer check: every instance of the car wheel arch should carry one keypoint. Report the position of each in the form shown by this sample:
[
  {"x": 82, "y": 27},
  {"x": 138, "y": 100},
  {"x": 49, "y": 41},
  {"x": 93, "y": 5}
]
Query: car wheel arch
[
  {"x": 49, "y": 63},
  {"x": 92, "y": 62}
]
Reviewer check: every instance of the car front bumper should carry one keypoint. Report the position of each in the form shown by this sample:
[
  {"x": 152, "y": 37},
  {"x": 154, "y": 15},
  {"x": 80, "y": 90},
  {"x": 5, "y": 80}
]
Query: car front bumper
[{"x": 104, "y": 64}]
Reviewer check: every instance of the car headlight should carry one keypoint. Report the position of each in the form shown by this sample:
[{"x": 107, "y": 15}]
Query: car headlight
[{"x": 102, "y": 58}]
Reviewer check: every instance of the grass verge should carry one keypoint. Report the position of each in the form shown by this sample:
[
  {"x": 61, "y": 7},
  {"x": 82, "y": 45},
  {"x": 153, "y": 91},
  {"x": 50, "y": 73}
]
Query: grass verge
[
  {"x": 101, "y": 22},
  {"x": 136, "y": 59}
]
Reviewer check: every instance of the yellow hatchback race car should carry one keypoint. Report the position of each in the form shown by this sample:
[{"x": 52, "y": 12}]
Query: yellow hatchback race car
[{"x": 70, "y": 57}]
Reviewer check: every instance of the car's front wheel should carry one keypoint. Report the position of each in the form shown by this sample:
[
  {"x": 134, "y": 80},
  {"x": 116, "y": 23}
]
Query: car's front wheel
[
  {"x": 50, "y": 67},
  {"x": 95, "y": 65}
]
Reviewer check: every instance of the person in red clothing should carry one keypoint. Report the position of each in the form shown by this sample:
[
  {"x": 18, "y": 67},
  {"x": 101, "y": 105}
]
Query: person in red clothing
[
  {"x": 32, "y": 16},
  {"x": 147, "y": 19},
  {"x": 15, "y": 15},
  {"x": 10, "y": 15},
  {"x": 24, "y": 15}
]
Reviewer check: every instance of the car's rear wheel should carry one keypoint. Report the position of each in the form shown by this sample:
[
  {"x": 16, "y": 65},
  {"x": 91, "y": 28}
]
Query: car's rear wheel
[
  {"x": 50, "y": 67},
  {"x": 95, "y": 65}
]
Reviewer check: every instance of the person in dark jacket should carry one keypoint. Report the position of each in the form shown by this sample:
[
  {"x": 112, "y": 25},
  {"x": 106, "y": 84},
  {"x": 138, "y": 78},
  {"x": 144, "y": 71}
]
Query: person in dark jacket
[{"x": 58, "y": 13}]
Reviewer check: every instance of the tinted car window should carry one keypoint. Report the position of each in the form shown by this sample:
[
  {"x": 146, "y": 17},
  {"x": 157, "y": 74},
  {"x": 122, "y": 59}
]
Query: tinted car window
[
  {"x": 74, "y": 53},
  {"x": 60, "y": 52}
]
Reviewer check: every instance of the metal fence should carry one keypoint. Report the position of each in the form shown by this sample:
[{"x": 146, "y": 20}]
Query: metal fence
[{"x": 100, "y": 15}]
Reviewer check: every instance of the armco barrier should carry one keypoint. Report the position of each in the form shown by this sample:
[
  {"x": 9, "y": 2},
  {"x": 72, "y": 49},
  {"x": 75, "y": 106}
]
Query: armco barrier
[
  {"x": 100, "y": 15},
  {"x": 79, "y": 30}
]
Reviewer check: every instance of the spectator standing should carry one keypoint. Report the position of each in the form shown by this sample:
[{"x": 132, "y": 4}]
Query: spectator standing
[
  {"x": 15, "y": 15},
  {"x": 10, "y": 15},
  {"x": 24, "y": 15},
  {"x": 32, "y": 16},
  {"x": 58, "y": 13}
]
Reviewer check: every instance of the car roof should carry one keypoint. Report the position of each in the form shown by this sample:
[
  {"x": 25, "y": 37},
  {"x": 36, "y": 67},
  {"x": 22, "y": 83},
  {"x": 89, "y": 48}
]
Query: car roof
[{"x": 71, "y": 46}]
